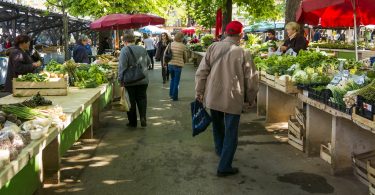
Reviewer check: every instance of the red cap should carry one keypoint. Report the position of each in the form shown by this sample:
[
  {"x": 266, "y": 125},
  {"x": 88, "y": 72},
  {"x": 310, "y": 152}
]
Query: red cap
[{"x": 234, "y": 27}]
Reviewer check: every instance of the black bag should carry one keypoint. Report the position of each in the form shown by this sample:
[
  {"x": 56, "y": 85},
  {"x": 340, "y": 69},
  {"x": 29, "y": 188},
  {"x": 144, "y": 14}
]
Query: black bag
[
  {"x": 200, "y": 118},
  {"x": 168, "y": 54},
  {"x": 133, "y": 73}
]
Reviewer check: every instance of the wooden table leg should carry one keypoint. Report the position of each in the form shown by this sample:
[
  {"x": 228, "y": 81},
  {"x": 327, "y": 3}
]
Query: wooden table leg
[
  {"x": 262, "y": 100},
  {"x": 51, "y": 162},
  {"x": 348, "y": 138},
  {"x": 318, "y": 130},
  {"x": 280, "y": 106}
]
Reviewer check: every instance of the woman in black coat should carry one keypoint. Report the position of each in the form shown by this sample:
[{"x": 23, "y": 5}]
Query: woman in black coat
[
  {"x": 296, "y": 40},
  {"x": 161, "y": 47},
  {"x": 20, "y": 62}
]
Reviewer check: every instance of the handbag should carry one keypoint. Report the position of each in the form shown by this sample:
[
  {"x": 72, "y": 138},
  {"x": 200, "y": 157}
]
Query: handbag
[
  {"x": 200, "y": 118},
  {"x": 133, "y": 73},
  {"x": 168, "y": 54}
]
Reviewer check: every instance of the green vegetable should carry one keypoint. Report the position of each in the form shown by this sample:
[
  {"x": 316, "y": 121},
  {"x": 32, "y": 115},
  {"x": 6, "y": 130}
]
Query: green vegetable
[
  {"x": 53, "y": 66},
  {"x": 207, "y": 40},
  {"x": 368, "y": 92},
  {"x": 31, "y": 77},
  {"x": 22, "y": 112}
]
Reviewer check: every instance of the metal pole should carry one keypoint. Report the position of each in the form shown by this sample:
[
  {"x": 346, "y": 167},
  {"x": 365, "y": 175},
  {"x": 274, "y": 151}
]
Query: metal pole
[{"x": 355, "y": 29}]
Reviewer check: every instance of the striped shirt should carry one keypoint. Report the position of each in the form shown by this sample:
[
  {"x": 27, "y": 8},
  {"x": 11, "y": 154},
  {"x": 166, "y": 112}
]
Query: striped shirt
[{"x": 178, "y": 54}]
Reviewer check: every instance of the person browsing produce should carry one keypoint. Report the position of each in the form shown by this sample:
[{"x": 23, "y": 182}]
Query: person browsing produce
[
  {"x": 20, "y": 62},
  {"x": 295, "y": 40},
  {"x": 80, "y": 54},
  {"x": 225, "y": 80}
]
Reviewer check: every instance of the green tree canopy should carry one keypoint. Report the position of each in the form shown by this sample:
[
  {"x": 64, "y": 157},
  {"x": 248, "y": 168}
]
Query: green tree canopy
[{"x": 98, "y": 8}]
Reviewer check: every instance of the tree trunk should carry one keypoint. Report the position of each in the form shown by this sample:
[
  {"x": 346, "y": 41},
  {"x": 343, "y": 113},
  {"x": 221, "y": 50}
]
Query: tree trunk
[
  {"x": 227, "y": 13},
  {"x": 66, "y": 34},
  {"x": 291, "y": 9},
  {"x": 290, "y": 13}
]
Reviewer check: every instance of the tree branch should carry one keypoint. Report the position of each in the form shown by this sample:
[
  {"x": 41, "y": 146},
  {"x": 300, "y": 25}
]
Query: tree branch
[{"x": 53, "y": 4}]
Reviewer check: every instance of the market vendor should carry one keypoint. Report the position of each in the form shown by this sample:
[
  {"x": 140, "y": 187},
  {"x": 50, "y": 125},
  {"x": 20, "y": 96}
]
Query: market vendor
[
  {"x": 80, "y": 54},
  {"x": 295, "y": 40},
  {"x": 20, "y": 62},
  {"x": 271, "y": 35}
]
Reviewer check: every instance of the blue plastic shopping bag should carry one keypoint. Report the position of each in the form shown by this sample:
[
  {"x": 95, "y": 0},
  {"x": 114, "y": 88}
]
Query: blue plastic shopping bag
[{"x": 200, "y": 118}]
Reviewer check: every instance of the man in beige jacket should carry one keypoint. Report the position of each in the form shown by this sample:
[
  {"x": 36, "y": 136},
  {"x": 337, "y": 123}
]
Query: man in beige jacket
[{"x": 225, "y": 80}]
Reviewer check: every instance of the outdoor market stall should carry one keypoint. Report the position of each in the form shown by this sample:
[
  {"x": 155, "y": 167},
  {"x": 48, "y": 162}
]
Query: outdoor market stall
[{"x": 73, "y": 115}]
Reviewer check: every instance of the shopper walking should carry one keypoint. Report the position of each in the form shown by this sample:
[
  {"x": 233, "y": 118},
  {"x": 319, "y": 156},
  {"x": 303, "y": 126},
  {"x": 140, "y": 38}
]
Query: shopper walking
[
  {"x": 150, "y": 47},
  {"x": 133, "y": 54},
  {"x": 225, "y": 80},
  {"x": 79, "y": 52},
  {"x": 161, "y": 46},
  {"x": 176, "y": 64},
  {"x": 20, "y": 62}
]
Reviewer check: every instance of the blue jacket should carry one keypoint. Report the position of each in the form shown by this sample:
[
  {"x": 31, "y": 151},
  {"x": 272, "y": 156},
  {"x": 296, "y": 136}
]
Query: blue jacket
[
  {"x": 88, "y": 50},
  {"x": 80, "y": 54}
]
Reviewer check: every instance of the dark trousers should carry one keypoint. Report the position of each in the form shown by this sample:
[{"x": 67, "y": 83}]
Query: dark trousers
[
  {"x": 225, "y": 130},
  {"x": 138, "y": 98},
  {"x": 165, "y": 72},
  {"x": 151, "y": 54}
]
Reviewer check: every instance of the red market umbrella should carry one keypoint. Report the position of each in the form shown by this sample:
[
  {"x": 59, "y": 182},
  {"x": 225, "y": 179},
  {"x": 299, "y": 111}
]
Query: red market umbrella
[
  {"x": 219, "y": 22},
  {"x": 337, "y": 13},
  {"x": 125, "y": 21},
  {"x": 189, "y": 31}
]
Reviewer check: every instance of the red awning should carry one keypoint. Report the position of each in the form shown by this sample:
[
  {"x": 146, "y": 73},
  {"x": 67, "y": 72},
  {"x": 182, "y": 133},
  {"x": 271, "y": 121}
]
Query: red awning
[
  {"x": 336, "y": 13},
  {"x": 126, "y": 21},
  {"x": 188, "y": 31}
]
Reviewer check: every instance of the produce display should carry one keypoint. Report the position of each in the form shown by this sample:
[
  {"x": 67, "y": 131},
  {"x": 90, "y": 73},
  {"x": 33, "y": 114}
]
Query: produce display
[
  {"x": 37, "y": 100},
  {"x": 329, "y": 80},
  {"x": 87, "y": 76},
  {"x": 105, "y": 58},
  {"x": 20, "y": 124},
  {"x": 32, "y": 77}
]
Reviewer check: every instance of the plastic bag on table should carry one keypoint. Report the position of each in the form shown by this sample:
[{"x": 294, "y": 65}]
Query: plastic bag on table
[{"x": 124, "y": 101}]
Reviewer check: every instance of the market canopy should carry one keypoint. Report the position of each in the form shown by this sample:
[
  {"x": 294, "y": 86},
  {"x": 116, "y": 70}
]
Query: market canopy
[
  {"x": 264, "y": 26},
  {"x": 336, "y": 13},
  {"x": 189, "y": 31},
  {"x": 152, "y": 30},
  {"x": 125, "y": 21}
]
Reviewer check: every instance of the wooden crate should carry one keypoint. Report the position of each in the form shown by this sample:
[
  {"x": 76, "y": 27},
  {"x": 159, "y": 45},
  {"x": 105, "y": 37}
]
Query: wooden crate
[
  {"x": 325, "y": 152},
  {"x": 53, "y": 87},
  {"x": 300, "y": 115},
  {"x": 295, "y": 128},
  {"x": 296, "y": 142},
  {"x": 286, "y": 86},
  {"x": 371, "y": 177},
  {"x": 360, "y": 165},
  {"x": 370, "y": 124}
]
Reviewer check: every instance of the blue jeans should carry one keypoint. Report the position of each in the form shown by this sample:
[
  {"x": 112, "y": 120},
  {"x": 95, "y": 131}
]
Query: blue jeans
[
  {"x": 175, "y": 72},
  {"x": 225, "y": 130}
]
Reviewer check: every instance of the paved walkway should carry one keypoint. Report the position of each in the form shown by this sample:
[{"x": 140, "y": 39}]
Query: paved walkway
[{"x": 164, "y": 158}]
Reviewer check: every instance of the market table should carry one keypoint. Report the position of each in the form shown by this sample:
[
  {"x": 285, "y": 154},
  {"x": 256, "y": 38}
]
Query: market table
[
  {"x": 40, "y": 160},
  {"x": 276, "y": 105},
  {"x": 350, "y": 54},
  {"x": 197, "y": 57},
  {"x": 328, "y": 125},
  {"x": 323, "y": 125}
]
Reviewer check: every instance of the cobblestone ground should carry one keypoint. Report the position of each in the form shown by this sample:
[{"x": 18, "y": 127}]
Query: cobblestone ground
[{"x": 165, "y": 159}]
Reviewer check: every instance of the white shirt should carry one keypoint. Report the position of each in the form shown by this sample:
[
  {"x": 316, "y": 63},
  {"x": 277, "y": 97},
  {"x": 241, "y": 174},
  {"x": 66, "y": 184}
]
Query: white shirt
[{"x": 149, "y": 44}]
